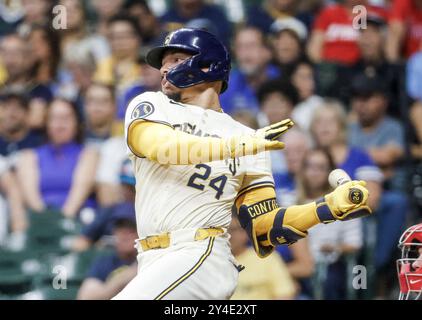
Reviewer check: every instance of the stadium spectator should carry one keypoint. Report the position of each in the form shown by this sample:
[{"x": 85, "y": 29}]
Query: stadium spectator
[
  {"x": 330, "y": 243},
  {"x": 261, "y": 279},
  {"x": 329, "y": 130},
  {"x": 34, "y": 12},
  {"x": 105, "y": 10},
  {"x": 405, "y": 23},
  {"x": 277, "y": 99},
  {"x": 264, "y": 14},
  {"x": 288, "y": 37},
  {"x": 77, "y": 75},
  {"x": 122, "y": 68},
  {"x": 19, "y": 63},
  {"x": 183, "y": 11},
  {"x": 150, "y": 28},
  {"x": 303, "y": 78},
  {"x": 334, "y": 35},
  {"x": 102, "y": 225},
  {"x": 14, "y": 55},
  {"x": 45, "y": 46},
  {"x": 15, "y": 133},
  {"x": 60, "y": 173},
  {"x": 382, "y": 136},
  {"x": 77, "y": 35},
  {"x": 253, "y": 69},
  {"x": 10, "y": 17},
  {"x": 372, "y": 61},
  {"x": 99, "y": 113},
  {"x": 111, "y": 273}
]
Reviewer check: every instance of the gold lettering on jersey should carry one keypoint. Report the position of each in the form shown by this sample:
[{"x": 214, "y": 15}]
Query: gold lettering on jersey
[
  {"x": 262, "y": 207},
  {"x": 193, "y": 129}
]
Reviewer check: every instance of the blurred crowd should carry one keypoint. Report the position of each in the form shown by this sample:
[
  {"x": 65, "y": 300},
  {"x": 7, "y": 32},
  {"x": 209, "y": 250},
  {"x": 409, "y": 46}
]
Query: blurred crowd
[{"x": 348, "y": 72}]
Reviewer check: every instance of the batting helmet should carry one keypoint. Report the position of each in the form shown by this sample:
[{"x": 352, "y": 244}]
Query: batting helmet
[{"x": 207, "y": 50}]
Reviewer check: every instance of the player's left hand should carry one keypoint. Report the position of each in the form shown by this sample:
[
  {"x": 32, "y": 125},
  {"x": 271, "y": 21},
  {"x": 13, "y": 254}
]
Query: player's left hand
[
  {"x": 348, "y": 201},
  {"x": 274, "y": 131}
]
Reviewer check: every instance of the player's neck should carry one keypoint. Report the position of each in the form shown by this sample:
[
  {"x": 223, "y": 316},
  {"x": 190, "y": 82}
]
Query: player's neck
[{"x": 207, "y": 99}]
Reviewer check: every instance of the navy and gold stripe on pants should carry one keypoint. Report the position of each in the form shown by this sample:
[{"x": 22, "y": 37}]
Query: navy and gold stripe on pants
[{"x": 190, "y": 272}]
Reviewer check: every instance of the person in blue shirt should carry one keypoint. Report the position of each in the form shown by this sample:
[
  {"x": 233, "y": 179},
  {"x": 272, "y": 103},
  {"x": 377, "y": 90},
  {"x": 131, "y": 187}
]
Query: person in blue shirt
[
  {"x": 183, "y": 11},
  {"x": 380, "y": 135},
  {"x": 16, "y": 134},
  {"x": 111, "y": 273},
  {"x": 253, "y": 68}
]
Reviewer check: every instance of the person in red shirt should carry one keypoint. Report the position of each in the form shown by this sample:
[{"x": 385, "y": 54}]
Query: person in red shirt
[
  {"x": 334, "y": 37},
  {"x": 405, "y": 28}
]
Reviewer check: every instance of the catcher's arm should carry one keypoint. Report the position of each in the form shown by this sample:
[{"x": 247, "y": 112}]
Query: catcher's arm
[
  {"x": 165, "y": 145},
  {"x": 269, "y": 225}
]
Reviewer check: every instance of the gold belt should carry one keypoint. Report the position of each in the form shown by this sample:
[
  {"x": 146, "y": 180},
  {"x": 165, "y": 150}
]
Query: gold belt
[{"x": 163, "y": 240}]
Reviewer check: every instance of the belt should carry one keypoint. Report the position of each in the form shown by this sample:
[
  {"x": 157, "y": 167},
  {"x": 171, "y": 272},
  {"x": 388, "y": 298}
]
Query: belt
[{"x": 164, "y": 240}]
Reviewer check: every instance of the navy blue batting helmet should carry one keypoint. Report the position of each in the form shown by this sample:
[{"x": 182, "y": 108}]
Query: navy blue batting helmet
[{"x": 207, "y": 50}]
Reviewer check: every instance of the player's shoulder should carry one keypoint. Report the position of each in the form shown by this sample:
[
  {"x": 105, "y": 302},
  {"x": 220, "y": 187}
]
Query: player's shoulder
[
  {"x": 146, "y": 103},
  {"x": 153, "y": 97}
]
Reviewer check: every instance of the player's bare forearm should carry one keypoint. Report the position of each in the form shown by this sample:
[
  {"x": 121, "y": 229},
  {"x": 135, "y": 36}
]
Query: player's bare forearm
[
  {"x": 163, "y": 144},
  {"x": 269, "y": 225}
]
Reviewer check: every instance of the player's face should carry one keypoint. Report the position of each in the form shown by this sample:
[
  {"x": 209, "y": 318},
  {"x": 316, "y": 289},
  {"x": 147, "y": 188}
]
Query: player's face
[
  {"x": 418, "y": 263},
  {"x": 170, "y": 60}
]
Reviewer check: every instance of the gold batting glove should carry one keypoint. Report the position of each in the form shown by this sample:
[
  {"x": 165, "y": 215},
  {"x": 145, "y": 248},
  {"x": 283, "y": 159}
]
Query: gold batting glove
[
  {"x": 348, "y": 201},
  {"x": 274, "y": 131},
  {"x": 264, "y": 139}
]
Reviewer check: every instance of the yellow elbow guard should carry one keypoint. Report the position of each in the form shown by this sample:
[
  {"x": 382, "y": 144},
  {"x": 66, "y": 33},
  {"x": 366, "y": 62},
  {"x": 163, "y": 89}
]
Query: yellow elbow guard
[
  {"x": 248, "y": 218},
  {"x": 269, "y": 229}
]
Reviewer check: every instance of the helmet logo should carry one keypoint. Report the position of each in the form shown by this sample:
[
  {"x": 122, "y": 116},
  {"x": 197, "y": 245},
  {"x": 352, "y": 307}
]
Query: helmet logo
[{"x": 168, "y": 38}]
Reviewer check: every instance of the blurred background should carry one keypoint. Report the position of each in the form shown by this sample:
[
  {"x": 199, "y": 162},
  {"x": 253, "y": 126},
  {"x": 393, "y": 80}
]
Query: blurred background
[{"x": 351, "y": 79}]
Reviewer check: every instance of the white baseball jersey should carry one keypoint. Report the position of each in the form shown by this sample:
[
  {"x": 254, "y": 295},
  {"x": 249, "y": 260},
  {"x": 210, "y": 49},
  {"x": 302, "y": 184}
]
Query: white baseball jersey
[{"x": 173, "y": 197}]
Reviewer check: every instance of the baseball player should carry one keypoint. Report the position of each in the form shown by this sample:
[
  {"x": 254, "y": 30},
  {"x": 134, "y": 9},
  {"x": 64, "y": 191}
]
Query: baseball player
[
  {"x": 409, "y": 266},
  {"x": 194, "y": 164}
]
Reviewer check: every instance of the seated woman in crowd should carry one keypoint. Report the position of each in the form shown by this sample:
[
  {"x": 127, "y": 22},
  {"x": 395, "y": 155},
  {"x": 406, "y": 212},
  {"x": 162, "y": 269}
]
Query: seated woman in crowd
[
  {"x": 329, "y": 129},
  {"x": 328, "y": 243},
  {"x": 59, "y": 174}
]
